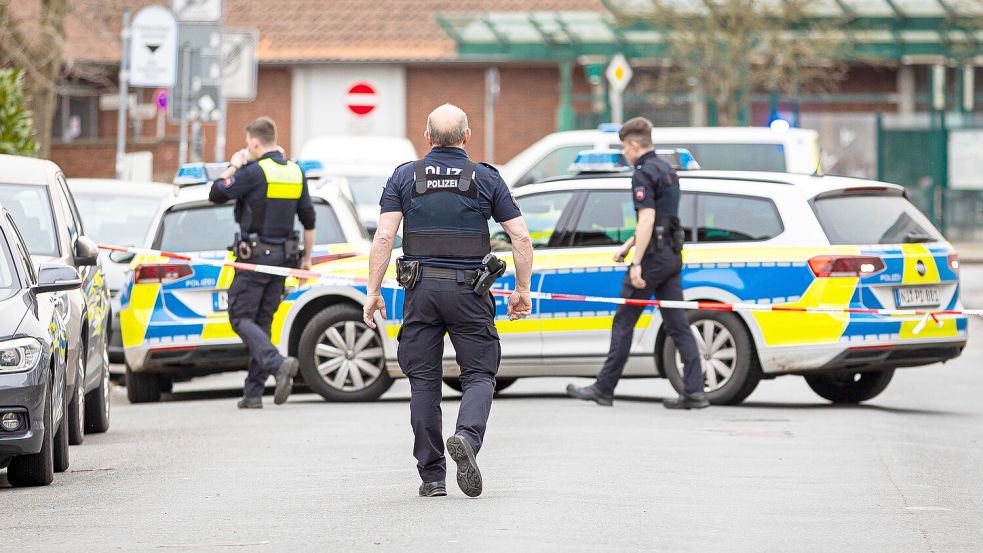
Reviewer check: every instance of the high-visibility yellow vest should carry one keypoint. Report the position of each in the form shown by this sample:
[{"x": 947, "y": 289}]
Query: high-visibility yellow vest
[{"x": 283, "y": 182}]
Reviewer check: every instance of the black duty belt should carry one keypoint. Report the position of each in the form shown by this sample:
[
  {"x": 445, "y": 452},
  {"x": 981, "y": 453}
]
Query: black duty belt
[{"x": 460, "y": 275}]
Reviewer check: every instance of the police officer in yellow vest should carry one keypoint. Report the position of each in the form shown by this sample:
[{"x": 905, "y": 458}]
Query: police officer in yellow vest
[{"x": 269, "y": 192}]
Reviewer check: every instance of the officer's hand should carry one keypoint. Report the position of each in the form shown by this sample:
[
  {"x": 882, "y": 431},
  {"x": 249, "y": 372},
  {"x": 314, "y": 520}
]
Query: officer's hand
[
  {"x": 305, "y": 265},
  {"x": 373, "y": 303},
  {"x": 635, "y": 274},
  {"x": 519, "y": 305},
  {"x": 239, "y": 158},
  {"x": 621, "y": 254}
]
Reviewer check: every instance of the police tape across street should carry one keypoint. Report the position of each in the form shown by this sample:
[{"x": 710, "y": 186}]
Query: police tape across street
[{"x": 343, "y": 280}]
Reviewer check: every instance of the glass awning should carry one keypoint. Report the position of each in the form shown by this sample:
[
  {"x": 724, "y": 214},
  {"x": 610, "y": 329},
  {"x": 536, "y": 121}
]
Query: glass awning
[{"x": 886, "y": 29}]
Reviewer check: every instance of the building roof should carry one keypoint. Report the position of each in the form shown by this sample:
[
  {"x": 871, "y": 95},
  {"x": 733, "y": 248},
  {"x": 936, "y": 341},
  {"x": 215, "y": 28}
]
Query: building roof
[{"x": 310, "y": 30}]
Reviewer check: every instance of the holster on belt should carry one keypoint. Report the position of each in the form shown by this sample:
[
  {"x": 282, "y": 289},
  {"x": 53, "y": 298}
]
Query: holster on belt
[
  {"x": 244, "y": 246},
  {"x": 407, "y": 273},
  {"x": 292, "y": 250}
]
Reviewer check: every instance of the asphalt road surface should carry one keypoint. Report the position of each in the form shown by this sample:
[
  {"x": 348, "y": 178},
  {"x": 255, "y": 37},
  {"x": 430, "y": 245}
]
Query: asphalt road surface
[{"x": 785, "y": 472}]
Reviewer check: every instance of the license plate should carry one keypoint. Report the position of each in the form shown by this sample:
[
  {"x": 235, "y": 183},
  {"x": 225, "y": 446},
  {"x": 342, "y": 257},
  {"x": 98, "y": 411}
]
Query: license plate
[
  {"x": 220, "y": 301},
  {"x": 917, "y": 296}
]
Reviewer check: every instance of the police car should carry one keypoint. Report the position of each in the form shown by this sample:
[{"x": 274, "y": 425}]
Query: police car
[
  {"x": 173, "y": 316},
  {"x": 767, "y": 238}
]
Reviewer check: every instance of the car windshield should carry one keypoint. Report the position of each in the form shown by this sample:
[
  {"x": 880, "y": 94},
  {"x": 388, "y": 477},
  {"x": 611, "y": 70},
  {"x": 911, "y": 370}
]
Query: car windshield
[
  {"x": 7, "y": 280},
  {"x": 114, "y": 219},
  {"x": 873, "y": 219},
  {"x": 30, "y": 206},
  {"x": 736, "y": 157},
  {"x": 181, "y": 229},
  {"x": 366, "y": 190}
]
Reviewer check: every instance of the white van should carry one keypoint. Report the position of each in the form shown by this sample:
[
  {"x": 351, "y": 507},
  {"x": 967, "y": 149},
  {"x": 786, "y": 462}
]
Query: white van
[
  {"x": 715, "y": 148},
  {"x": 360, "y": 166}
]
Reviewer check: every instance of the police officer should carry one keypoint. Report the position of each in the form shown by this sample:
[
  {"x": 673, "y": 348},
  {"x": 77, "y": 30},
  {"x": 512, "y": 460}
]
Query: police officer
[
  {"x": 446, "y": 200},
  {"x": 656, "y": 268},
  {"x": 269, "y": 191}
]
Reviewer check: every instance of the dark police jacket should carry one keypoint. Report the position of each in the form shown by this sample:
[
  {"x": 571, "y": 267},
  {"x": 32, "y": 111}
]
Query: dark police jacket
[
  {"x": 655, "y": 185},
  {"x": 267, "y": 209}
]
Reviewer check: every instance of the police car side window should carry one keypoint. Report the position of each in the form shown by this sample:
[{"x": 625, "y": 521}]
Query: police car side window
[
  {"x": 553, "y": 164},
  {"x": 731, "y": 218},
  {"x": 541, "y": 212},
  {"x": 608, "y": 219}
]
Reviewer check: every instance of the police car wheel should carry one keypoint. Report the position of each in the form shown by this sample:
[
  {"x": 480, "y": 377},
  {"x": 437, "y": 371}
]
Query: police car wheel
[
  {"x": 500, "y": 383},
  {"x": 97, "y": 403},
  {"x": 142, "y": 387},
  {"x": 341, "y": 358},
  {"x": 852, "y": 387},
  {"x": 730, "y": 364},
  {"x": 76, "y": 404}
]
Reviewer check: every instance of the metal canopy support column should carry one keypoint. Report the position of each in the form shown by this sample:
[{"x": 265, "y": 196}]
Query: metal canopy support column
[
  {"x": 906, "y": 89},
  {"x": 565, "y": 118}
]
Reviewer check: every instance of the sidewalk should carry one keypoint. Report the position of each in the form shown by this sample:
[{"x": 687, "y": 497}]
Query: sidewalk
[{"x": 969, "y": 252}]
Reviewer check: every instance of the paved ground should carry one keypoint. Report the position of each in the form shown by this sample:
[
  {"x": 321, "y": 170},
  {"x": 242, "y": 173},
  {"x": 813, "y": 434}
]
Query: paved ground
[{"x": 785, "y": 472}]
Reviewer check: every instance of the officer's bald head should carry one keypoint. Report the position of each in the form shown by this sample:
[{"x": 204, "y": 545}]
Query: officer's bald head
[{"x": 447, "y": 126}]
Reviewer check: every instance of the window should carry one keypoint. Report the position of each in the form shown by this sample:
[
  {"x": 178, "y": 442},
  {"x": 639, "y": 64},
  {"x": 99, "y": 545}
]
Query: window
[
  {"x": 541, "y": 212},
  {"x": 609, "y": 218},
  {"x": 71, "y": 219},
  {"x": 736, "y": 157},
  {"x": 8, "y": 279},
  {"x": 727, "y": 218},
  {"x": 554, "y": 164},
  {"x": 22, "y": 256},
  {"x": 367, "y": 190},
  {"x": 30, "y": 207},
  {"x": 181, "y": 228},
  {"x": 120, "y": 219},
  {"x": 873, "y": 219}
]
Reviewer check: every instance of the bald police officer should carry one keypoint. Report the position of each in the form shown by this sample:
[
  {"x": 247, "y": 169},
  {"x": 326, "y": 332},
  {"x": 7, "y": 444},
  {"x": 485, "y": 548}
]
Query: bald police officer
[
  {"x": 656, "y": 269},
  {"x": 269, "y": 191},
  {"x": 446, "y": 200}
]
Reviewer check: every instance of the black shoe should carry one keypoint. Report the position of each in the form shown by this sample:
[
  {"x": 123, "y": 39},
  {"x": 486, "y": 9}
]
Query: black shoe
[
  {"x": 285, "y": 380},
  {"x": 250, "y": 403},
  {"x": 433, "y": 489},
  {"x": 695, "y": 401},
  {"x": 590, "y": 393},
  {"x": 468, "y": 475}
]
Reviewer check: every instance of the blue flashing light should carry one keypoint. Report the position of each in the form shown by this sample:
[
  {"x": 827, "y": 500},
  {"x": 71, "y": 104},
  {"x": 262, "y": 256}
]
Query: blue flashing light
[
  {"x": 312, "y": 168},
  {"x": 686, "y": 160},
  {"x": 609, "y": 127},
  {"x": 778, "y": 124},
  {"x": 191, "y": 173},
  {"x": 600, "y": 161}
]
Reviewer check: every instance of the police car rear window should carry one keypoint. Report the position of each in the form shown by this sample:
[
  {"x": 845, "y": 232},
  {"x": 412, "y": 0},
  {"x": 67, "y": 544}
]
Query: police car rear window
[
  {"x": 873, "y": 219},
  {"x": 181, "y": 229},
  {"x": 736, "y": 157}
]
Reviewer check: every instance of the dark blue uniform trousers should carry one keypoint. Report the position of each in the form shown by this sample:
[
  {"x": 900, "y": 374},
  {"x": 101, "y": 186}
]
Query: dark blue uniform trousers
[
  {"x": 435, "y": 307},
  {"x": 253, "y": 299},
  {"x": 661, "y": 272}
]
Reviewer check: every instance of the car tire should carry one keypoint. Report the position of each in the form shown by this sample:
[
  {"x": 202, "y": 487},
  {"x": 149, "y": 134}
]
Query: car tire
[
  {"x": 37, "y": 469},
  {"x": 500, "y": 384},
  {"x": 97, "y": 403},
  {"x": 732, "y": 356},
  {"x": 341, "y": 358},
  {"x": 142, "y": 387},
  {"x": 75, "y": 415},
  {"x": 61, "y": 440},
  {"x": 852, "y": 387}
]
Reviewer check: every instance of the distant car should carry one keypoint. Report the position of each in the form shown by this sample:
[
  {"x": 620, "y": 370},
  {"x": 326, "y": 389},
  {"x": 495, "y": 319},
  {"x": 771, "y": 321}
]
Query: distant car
[
  {"x": 117, "y": 212},
  {"x": 37, "y": 197},
  {"x": 716, "y": 148},
  {"x": 174, "y": 317},
  {"x": 33, "y": 359},
  {"x": 360, "y": 165}
]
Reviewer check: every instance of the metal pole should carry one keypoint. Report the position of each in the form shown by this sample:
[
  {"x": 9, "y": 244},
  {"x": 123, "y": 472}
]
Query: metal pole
[
  {"x": 617, "y": 106},
  {"x": 185, "y": 106},
  {"x": 492, "y": 88},
  {"x": 197, "y": 141},
  {"x": 220, "y": 129},
  {"x": 124, "y": 92}
]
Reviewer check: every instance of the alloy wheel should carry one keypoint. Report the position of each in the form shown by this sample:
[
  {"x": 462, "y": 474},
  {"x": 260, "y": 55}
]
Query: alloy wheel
[
  {"x": 349, "y": 356},
  {"x": 718, "y": 353}
]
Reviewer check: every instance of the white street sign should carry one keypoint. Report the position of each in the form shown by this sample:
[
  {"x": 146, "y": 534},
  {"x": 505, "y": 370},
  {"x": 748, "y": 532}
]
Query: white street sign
[
  {"x": 153, "y": 48},
  {"x": 618, "y": 72},
  {"x": 239, "y": 64},
  {"x": 197, "y": 11}
]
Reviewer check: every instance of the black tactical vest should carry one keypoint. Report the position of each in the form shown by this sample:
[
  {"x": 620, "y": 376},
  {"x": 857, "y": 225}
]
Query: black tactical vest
[{"x": 444, "y": 219}]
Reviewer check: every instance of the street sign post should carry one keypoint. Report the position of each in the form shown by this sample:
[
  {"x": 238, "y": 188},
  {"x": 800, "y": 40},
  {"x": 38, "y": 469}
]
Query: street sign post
[
  {"x": 204, "y": 73},
  {"x": 153, "y": 48},
  {"x": 618, "y": 74},
  {"x": 239, "y": 64}
]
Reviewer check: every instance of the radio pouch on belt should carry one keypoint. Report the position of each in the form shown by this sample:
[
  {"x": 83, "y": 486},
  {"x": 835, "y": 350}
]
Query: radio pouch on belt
[
  {"x": 291, "y": 249},
  {"x": 659, "y": 238},
  {"x": 407, "y": 272},
  {"x": 678, "y": 235}
]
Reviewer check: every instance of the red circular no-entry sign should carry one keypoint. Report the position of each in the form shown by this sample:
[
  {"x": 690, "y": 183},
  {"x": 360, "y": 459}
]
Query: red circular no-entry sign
[{"x": 362, "y": 98}]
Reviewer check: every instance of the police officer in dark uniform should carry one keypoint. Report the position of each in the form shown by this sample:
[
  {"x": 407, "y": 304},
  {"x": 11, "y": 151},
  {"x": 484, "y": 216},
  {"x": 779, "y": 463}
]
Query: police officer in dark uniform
[
  {"x": 446, "y": 200},
  {"x": 270, "y": 191},
  {"x": 658, "y": 262}
]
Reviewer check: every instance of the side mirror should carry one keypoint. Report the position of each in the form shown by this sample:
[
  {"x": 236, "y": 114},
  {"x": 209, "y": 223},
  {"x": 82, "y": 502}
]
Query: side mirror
[
  {"x": 54, "y": 277},
  {"x": 86, "y": 252},
  {"x": 121, "y": 257}
]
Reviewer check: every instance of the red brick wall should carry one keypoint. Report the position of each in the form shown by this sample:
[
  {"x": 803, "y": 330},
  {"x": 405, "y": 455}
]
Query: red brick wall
[{"x": 525, "y": 112}]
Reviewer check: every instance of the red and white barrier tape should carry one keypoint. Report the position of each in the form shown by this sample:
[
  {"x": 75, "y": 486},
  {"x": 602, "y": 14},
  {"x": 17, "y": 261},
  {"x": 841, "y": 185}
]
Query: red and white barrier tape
[{"x": 935, "y": 315}]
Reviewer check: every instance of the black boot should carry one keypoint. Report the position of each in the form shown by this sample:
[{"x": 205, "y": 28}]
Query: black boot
[
  {"x": 433, "y": 489},
  {"x": 285, "y": 380},
  {"x": 468, "y": 475},
  {"x": 590, "y": 393},
  {"x": 250, "y": 403},
  {"x": 684, "y": 401}
]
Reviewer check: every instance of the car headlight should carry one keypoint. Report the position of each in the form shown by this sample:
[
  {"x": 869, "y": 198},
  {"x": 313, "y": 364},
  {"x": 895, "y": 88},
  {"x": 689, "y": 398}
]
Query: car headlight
[{"x": 19, "y": 355}]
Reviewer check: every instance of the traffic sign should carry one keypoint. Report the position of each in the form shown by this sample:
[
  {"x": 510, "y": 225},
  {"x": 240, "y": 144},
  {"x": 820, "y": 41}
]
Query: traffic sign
[
  {"x": 204, "y": 43},
  {"x": 239, "y": 64},
  {"x": 197, "y": 11},
  {"x": 153, "y": 48},
  {"x": 362, "y": 99},
  {"x": 618, "y": 72}
]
